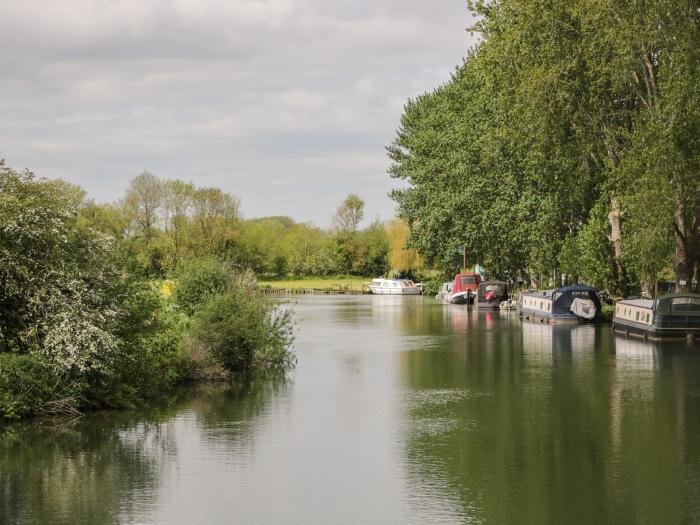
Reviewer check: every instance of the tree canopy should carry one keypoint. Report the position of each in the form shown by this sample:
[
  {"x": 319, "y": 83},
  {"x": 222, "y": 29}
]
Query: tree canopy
[{"x": 567, "y": 141}]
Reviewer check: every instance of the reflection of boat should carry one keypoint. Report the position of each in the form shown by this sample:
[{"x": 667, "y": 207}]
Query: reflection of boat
[
  {"x": 491, "y": 294},
  {"x": 551, "y": 340},
  {"x": 674, "y": 315},
  {"x": 567, "y": 303},
  {"x": 394, "y": 287},
  {"x": 636, "y": 354}
]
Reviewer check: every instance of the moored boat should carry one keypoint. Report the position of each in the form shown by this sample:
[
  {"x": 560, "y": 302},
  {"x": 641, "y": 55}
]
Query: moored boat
[
  {"x": 394, "y": 287},
  {"x": 508, "y": 305},
  {"x": 491, "y": 294},
  {"x": 567, "y": 303},
  {"x": 669, "y": 316},
  {"x": 465, "y": 287},
  {"x": 445, "y": 292}
]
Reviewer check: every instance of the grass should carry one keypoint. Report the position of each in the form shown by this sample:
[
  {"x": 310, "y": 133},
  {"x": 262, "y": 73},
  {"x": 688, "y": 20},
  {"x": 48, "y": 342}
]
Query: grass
[{"x": 322, "y": 283}]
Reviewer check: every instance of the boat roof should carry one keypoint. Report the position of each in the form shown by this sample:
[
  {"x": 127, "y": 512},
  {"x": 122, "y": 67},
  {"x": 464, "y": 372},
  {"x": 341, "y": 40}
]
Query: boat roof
[
  {"x": 641, "y": 303},
  {"x": 649, "y": 303},
  {"x": 561, "y": 289},
  {"x": 576, "y": 288}
]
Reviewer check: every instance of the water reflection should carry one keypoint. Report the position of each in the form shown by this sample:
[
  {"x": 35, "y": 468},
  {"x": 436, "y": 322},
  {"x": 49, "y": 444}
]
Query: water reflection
[
  {"x": 401, "y": 410},
  {"x": 109, "y": 468},
  {"x": 559, "y": 428}
]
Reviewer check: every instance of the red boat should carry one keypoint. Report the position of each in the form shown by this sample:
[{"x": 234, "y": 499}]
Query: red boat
[{"x": 465, "y": 288}]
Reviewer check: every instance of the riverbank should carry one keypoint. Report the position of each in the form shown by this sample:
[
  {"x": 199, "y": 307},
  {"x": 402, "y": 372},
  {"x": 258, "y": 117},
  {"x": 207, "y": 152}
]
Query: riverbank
[{"x": 322, "y": 285}]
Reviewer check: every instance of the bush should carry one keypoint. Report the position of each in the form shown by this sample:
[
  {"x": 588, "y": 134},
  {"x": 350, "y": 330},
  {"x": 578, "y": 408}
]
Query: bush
[
  {"x": 198, "y": 281},
  {"x": 432, "y": 286},
  {"x": 242, "y": 331},
  {"x": 27, "y": 384}
]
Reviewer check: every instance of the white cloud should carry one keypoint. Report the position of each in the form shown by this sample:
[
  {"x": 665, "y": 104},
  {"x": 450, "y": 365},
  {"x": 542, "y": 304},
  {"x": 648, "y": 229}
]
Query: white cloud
[{"x": 287, "y": 103}]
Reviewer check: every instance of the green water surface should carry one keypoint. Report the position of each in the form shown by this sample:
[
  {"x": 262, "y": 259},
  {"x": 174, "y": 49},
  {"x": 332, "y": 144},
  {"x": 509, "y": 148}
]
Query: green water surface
[{"x": 401, "y": 410}]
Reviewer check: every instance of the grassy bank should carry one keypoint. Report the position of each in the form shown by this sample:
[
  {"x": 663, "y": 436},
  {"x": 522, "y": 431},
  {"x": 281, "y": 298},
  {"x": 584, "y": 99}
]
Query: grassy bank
[{"x": 320, "y": 283}]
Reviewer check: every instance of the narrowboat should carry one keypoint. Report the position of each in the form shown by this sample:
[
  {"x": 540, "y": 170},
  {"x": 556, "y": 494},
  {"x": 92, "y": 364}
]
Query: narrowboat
[
  {"x": 465, "y": 288},
  {"x": 394, "y": 287},
  {"x": 567, "y": 303},
  {"x": 491, "y": 294},
  {"x": 670, "y": 316}
]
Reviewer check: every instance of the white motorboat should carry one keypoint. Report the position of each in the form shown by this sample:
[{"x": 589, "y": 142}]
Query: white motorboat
[{"x": 394, "y": 287}]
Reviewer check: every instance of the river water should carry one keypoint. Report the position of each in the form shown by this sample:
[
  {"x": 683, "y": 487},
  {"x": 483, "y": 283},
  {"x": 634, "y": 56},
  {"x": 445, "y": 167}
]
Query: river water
[{"x": 400, "y": 410}]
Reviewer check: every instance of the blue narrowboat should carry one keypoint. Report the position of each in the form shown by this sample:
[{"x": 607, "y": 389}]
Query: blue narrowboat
[
  {"x": 669, "y": 316},
  {"x": 567, "y": 303}
]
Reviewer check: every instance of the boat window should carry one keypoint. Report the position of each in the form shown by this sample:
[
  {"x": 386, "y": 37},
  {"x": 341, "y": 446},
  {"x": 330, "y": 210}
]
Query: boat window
[
  {"x": 637, "y": 318},
  {"x": 685, "y": 304},
  {"x": 647, "y": 317},
  {"x": 468, "y": 279},
  {"x": 385, "y": 284},
  {"x": 541, "y": 305}
]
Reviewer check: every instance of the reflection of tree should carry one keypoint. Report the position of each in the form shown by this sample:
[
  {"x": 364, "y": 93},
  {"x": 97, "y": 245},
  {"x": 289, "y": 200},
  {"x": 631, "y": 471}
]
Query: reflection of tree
[
  {"x": 572, "y": 437},
  {"x": 107, "y": 468},
  {"x": 241, "y": 403},
  {"x": 86, "y": 472}
]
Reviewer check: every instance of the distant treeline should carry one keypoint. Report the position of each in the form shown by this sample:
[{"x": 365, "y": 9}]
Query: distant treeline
[
  {"x": 568, "y": 142},
  {"x": 159, "y": 222}
]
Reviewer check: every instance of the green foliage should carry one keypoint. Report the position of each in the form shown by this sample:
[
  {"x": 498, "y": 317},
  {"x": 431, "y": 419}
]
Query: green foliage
[
  {"x": 81, "y": 326},
  {"x": 197, "y": 281},
  {"x": 588, "y": 255},
  {"x": 566, "y": 116},
  {"x": 27, "y": 384},
  {"x": 241, "y": 330}
]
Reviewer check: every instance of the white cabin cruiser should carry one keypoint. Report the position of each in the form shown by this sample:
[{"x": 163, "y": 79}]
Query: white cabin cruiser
[{"x": 394, "y": 287}]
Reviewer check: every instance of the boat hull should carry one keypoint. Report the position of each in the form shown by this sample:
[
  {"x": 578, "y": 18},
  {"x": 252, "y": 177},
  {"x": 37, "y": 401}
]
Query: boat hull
[
  {"x": 631, "y": 328},
  {"x": 394, "y": 291}
]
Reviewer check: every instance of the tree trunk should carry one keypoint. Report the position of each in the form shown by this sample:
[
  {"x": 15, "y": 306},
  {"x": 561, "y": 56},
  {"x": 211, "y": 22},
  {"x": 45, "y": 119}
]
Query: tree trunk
[
  {"x": 615, "y": 238},
  {"x": 686, "y": 256},
  {"x": 681, "y": 267}
]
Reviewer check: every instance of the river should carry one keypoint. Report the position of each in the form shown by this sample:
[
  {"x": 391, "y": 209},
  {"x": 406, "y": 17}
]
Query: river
[{"x": 400, "y": 410}]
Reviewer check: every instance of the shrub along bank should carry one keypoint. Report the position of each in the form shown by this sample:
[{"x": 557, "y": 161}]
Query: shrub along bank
[{"x": 80, "y": 330}]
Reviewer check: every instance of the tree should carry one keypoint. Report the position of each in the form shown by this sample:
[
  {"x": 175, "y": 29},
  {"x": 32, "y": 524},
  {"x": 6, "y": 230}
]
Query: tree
[
  {"x": 215, "y": 214},
  {"x": 401, "y": 258},
  {"x": 59, "y": 288},
  {"x": 563, "y": 114},
  {"x": 349, "y": 214},
  {"x": 142, "y": 201},
  {"x": 177, "y": 205},
  {"x": 309, "y": 250}
]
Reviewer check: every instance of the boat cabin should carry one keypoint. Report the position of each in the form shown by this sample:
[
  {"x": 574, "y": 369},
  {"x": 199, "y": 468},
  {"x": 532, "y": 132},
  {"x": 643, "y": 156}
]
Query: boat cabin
[
  {"x": 465, "y": 287},
  {"x": 491, "y": 294},
  {"x": 567, "y": 303},
  {"x": 394, "y": 287},
  {"x": 669, "y": 316},
  {"x": 466, "y": 281}
]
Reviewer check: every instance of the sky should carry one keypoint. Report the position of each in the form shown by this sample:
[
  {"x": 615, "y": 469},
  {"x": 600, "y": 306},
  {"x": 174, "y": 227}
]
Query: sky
[{"x": 287, "y": 104}]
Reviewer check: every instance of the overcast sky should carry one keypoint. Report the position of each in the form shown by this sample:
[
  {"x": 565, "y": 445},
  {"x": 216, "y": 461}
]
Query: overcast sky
[{"x": 286, "y": 103}]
